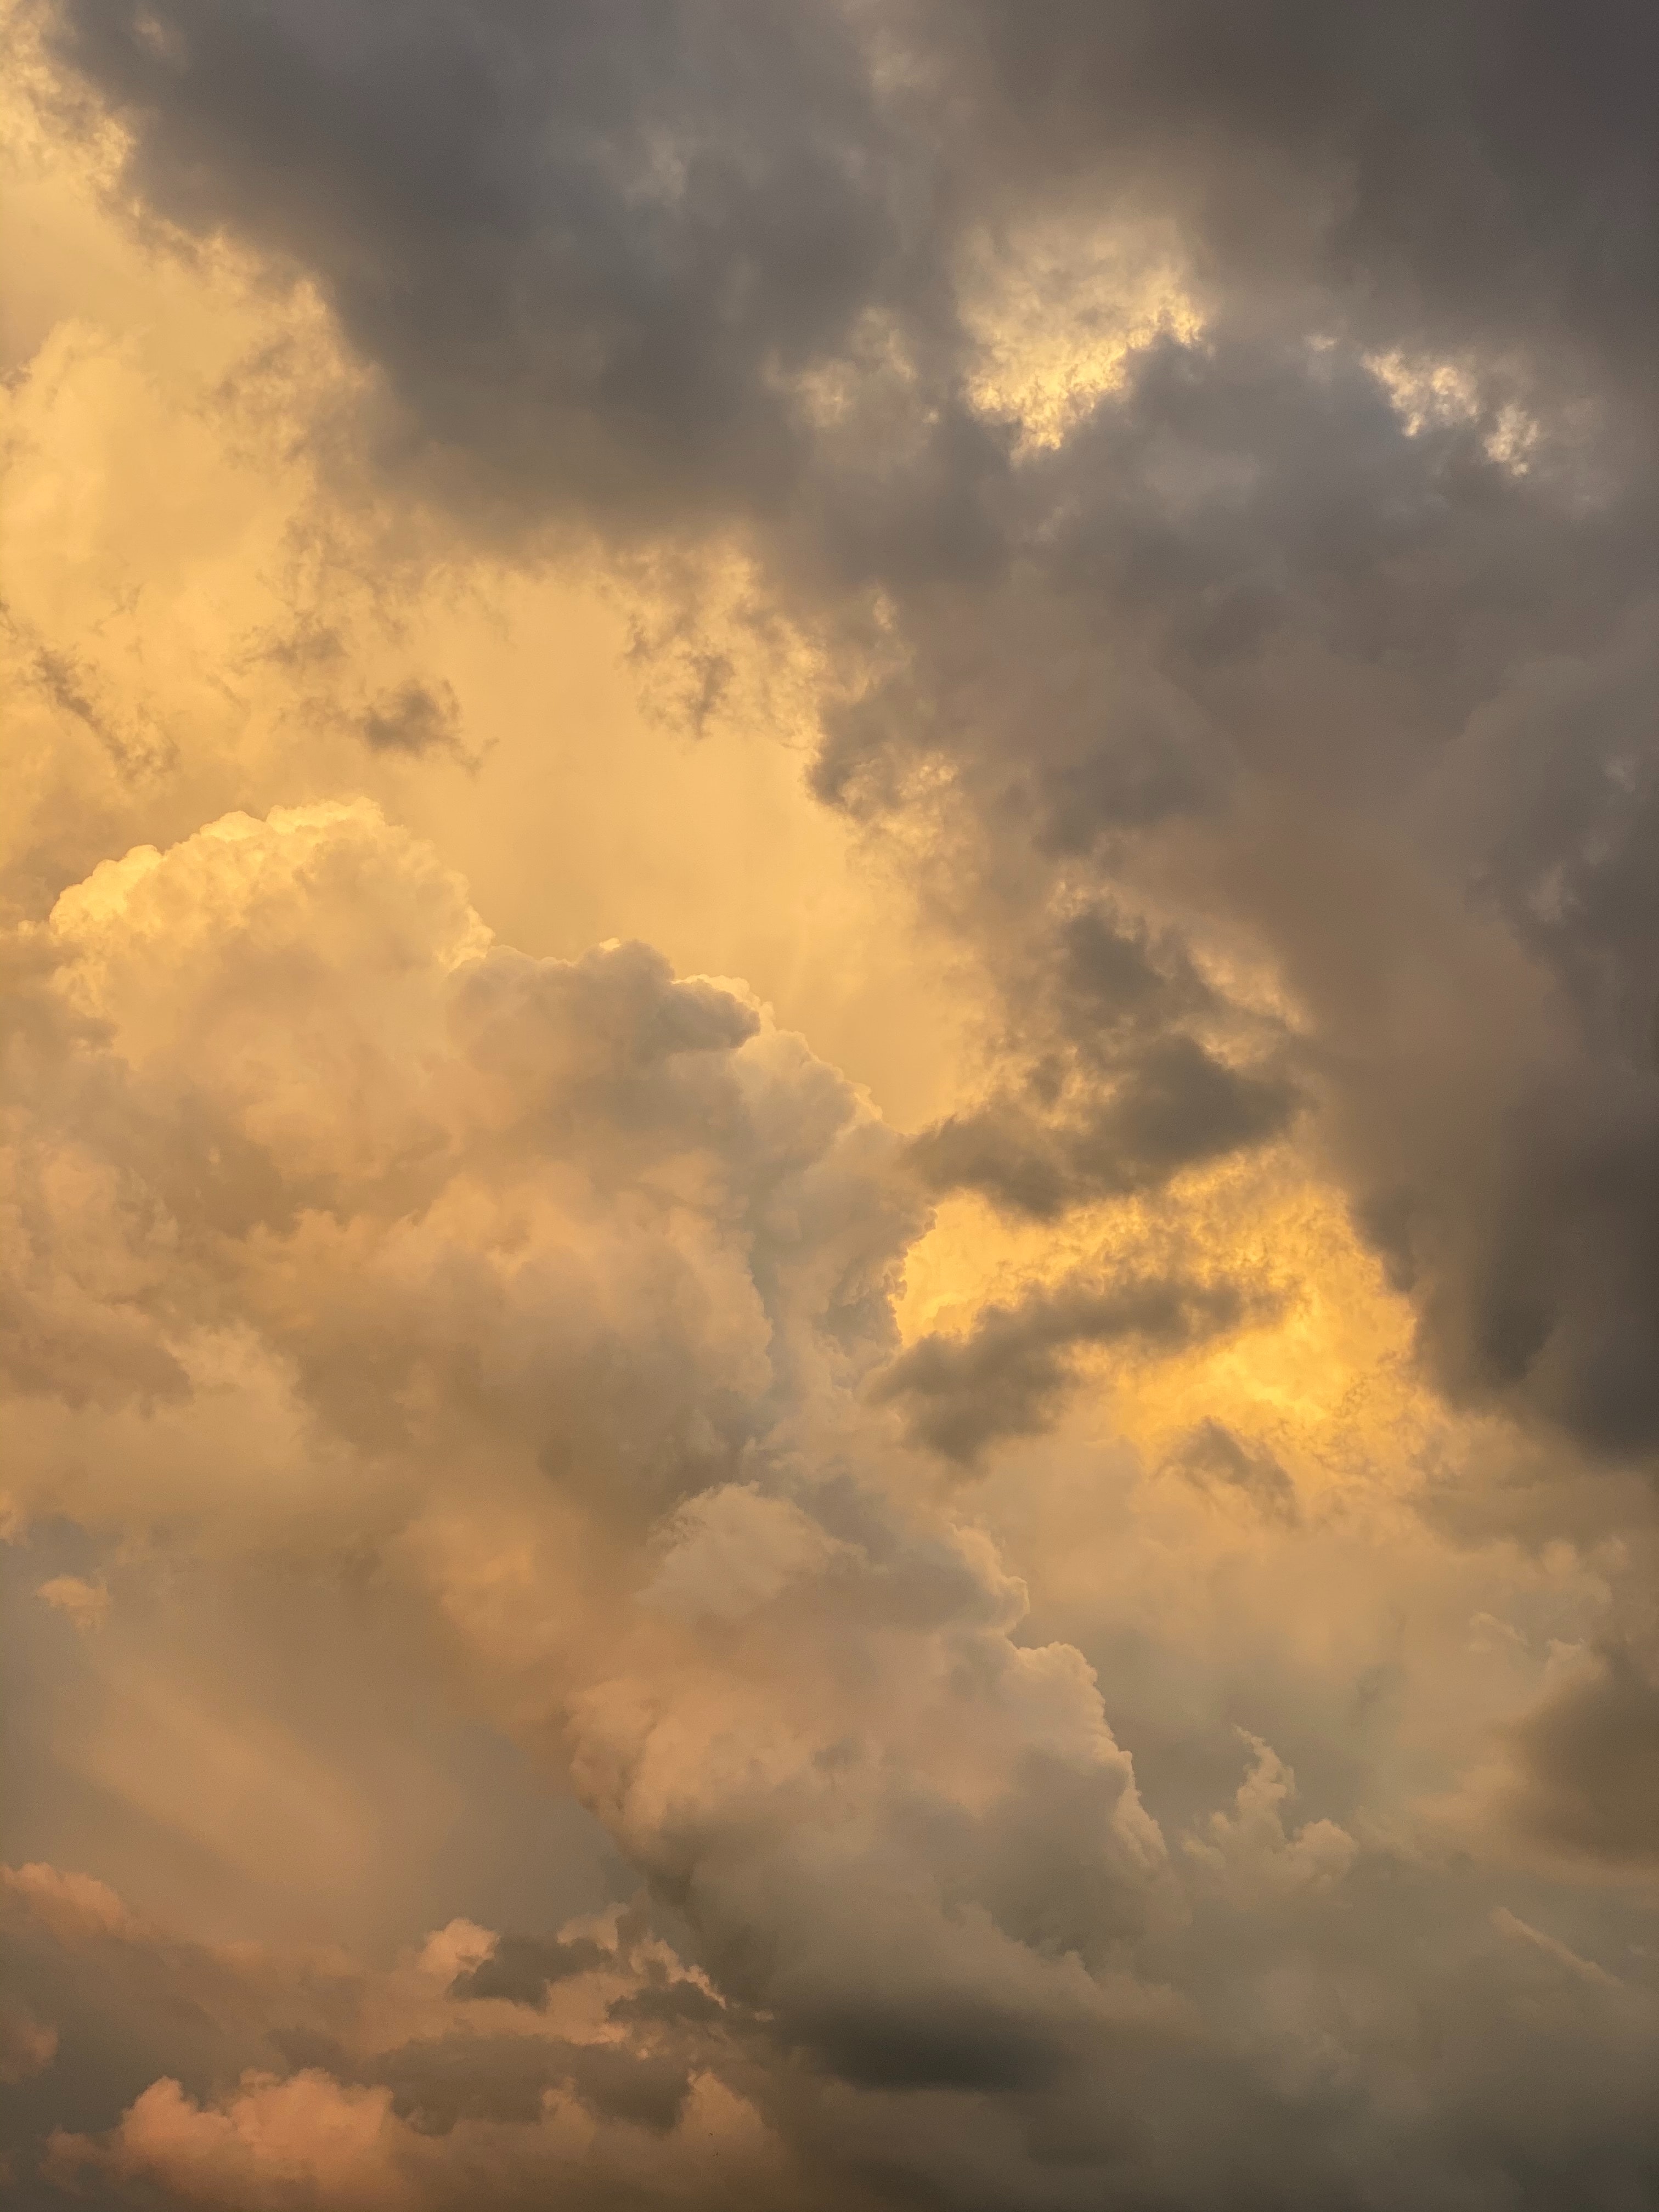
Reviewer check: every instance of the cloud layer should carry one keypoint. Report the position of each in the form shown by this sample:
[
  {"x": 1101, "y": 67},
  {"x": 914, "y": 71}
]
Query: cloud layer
[{"x": 1086, "y": 1639}]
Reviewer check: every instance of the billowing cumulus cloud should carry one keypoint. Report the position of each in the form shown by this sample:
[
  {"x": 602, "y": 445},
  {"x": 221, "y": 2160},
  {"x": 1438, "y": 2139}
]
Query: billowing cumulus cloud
[{"x": 1008, "y": 1565}]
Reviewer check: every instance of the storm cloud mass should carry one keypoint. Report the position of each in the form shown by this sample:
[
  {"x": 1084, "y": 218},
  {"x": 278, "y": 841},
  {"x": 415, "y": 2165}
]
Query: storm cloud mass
[{"x": 1008, "y": 1566}]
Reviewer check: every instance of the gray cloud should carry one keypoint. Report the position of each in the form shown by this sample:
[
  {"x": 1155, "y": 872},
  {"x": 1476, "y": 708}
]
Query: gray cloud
[
  {"x": 1008, "y": 1376},
  {"x": 1323, "y": 630},
  {"x": 1118, "y": 1094},
  {"x": 437, "y": 2083},
  {"x": 1213, "y": 1458},
  {"x": 1435, "y": 171},
  {"x": 415, "y": 719},
  {"x": 523, "y": 1969},
  {"x": 1175, "y": 1107},
  {"x": 568, "y": 186},
  {"x": 1006, "y": 2099},
  {"x": 1472, "y": 957}
]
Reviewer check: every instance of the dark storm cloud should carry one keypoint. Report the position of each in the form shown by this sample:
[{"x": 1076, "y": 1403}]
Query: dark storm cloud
[
  {"x": 623, "y": 217},
  {"x": 1009, "y": 1375},
  {"x": 1529, "y": 1240},
  {"x": 582, "y": 242},
  {"x": 1411, "y": 677},
  {"x": 1430, "y": 168}
]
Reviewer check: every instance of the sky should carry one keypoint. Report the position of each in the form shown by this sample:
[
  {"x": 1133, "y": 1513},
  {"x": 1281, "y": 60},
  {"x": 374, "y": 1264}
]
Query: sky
[{"x": 831, "y": 1138}]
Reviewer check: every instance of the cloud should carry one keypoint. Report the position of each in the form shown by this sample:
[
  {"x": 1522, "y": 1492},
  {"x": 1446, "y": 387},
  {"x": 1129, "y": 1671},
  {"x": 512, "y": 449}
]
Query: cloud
[
  {"x": 83, "y": 1602},
  {"x": 1176, "y": 1108},
  {"x": 1583, "y": 1765},
  {"x": 396, "y": 2101},
  {"x": 332, "y": 2143},
  {"x": 1185, "y": 481},
  {"x": 653, "y": 366},
  {"x": 415, "y": 718},
  {"x": 542, "y": 1256},
  {"x": 28, "y": 2046},
  {"x": 1213, "y": 1459},
  {"x": 361, "y": 2083},
  {"x": 374, "y": 1055},
  {"x": 523, "y": 1971},
  {"x": 1008, "y": 1377},
  {"x": 1248, "y": 619},
  {"x": 1248, "y": 1849}
]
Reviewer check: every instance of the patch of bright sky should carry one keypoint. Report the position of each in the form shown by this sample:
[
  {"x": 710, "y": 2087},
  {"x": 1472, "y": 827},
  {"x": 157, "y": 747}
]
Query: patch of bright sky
[{"x": 1057, "y": 312}]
